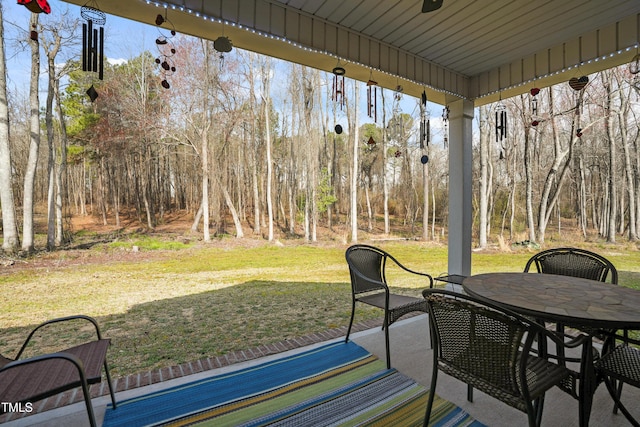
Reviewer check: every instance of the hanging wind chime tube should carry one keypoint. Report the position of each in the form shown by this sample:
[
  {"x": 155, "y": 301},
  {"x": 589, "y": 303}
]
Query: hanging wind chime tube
[
  {"x": 372, "y": 99},
  {"x": 425, "y": 130},
  {"x": 93, "y": 44},
  {"x": 338, "y": 85},
  {"x": 501, "y": 127},
  {"x": 445, "y": 121},
  {"x": 93, "y": 40}
]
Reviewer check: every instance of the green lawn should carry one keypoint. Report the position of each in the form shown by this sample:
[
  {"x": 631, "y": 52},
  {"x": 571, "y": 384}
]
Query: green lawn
[{"x": 196, "y": 302}]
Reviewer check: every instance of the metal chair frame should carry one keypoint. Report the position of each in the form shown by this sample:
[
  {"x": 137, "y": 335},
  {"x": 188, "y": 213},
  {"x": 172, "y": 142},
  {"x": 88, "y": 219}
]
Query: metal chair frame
[{"x": 369, "y": 285}]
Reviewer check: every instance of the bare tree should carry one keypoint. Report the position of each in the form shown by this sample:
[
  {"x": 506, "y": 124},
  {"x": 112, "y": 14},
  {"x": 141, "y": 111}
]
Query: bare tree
[
  {"x": 53, "y": 37},
  {"x": 10, "y": 236},
  {"x": 266, "y": 97},
  {"x": 28, "y": 243}
]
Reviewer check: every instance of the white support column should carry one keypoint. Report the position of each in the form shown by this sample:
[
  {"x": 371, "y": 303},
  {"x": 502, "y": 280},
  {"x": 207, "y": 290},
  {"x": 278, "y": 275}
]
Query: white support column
[{"x": 460, "y": 164}]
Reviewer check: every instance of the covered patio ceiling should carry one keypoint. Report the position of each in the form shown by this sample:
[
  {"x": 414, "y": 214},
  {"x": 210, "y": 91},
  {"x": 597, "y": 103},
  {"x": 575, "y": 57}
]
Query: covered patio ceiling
[{"x": 478, "y": 50}]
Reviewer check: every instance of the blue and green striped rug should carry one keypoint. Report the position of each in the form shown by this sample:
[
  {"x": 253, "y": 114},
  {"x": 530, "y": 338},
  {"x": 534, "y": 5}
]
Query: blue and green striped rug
[{"x": 337, "y": 384}]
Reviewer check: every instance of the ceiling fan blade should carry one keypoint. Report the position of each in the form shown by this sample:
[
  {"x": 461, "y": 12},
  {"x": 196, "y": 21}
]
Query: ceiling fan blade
[{"x": 431, "y": 5}]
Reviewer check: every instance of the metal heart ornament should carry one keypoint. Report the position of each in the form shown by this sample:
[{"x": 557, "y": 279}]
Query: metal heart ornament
[{"x": 578, "y": 83}]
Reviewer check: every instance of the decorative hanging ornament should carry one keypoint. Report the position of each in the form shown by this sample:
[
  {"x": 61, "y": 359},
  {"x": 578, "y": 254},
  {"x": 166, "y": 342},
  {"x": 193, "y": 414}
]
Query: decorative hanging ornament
[
  {"x": 338, "y": 85},
  {"x": 166, "y": 50},
  {"x": 338, "y": 129},
  {"x": 223, "y": 45},
  {"x": 501, "y": 127},
  {"x": 372, "y": 99},
  {"x": 445, "y": 122},
  {"x": 36, "y": 6},
  {"x": 634, "y": 65},
  {"x": 578, "y": 83},
  {"x": 534, "y": 105}
]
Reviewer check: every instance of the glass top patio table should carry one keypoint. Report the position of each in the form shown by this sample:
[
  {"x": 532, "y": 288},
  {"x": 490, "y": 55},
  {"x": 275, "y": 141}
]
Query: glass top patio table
[{"x": 563, "y": 299}]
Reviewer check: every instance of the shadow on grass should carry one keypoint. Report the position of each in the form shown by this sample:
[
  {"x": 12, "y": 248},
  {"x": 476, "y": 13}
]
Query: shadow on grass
[{"x": 172, "y": 331}]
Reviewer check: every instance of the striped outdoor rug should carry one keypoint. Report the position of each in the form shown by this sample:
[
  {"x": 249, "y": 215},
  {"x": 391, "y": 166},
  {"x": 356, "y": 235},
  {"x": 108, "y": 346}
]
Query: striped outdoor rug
[{"x": 335, "y": 384}]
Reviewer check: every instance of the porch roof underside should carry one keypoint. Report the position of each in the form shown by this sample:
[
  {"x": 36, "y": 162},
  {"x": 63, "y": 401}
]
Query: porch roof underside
[{"x": 476, "y": 50}]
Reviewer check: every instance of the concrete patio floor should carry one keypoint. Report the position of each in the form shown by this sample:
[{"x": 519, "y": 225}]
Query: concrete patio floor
[{"x": 411, "y": 356}]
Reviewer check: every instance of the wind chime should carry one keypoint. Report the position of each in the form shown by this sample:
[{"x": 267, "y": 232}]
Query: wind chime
[
  {"x": 501, "y": 127},
  {"x": 337, "y": 94},
  {"x": 372, "y": 99},
  {"x": 166, "y": 50},
  {"x": 445, "y": 123},
  {"x": 578, "y": 84},
  {"x": 534, "y": 106},
  {"x": 398, "y": 120},
  {"x": 425, "y": 130},
  {"x": 424, "y": 122},
  {"x": 93, "y": 44}
]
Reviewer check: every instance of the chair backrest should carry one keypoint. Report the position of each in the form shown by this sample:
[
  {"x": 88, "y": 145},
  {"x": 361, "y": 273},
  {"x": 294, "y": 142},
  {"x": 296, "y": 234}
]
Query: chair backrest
[
  {"x": 574, "y": 262},
  {"x": 366, "y": 267},
  {"x": 472, "y": 339}
]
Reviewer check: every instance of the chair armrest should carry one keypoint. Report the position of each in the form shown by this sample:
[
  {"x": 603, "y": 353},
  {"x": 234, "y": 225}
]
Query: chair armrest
[
  {"x": 59, "y": 320},
  {"x": 412, "y": 271}
]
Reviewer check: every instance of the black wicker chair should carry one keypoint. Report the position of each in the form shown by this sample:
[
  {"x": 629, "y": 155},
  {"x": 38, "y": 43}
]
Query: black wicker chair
[
  {"x": 574, "y": 262},
  {"x": 618, "y": 365},
  {"x": 581, "y": 263},
  {"x": 490, "y": 348},
  {"x": 27, "y": 380},
  {"x": 369, "y": 285}
]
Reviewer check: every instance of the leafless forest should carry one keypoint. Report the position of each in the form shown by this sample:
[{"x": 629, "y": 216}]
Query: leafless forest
[{"x": 247, "y": 144}]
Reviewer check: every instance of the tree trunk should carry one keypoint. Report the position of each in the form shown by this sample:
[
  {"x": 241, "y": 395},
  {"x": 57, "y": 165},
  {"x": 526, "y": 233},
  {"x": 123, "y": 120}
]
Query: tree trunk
[
  {"x": 266, "y": 96},
  {"x": 354, "y": 133},
  {"x": 623, "y": 120},
  {"x": 613, "y": 162},
  {"x": 11, "y": 240},
  {"x": 34, "y": 145},
  {"x": 484, "y": 181},
  {"x": 385, "y": 181}
]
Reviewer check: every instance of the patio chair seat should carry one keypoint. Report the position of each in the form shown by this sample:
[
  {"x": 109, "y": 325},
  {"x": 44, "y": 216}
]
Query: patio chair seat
[
  {"x": 50, "y": 376},
  {"x": 399, "y": 305}
]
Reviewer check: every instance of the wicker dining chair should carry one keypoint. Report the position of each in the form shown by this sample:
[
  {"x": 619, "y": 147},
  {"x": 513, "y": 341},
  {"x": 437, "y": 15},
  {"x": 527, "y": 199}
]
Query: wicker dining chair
[
  {"x": 620, "y": 364},
  {"x": 27, "y": 380},
  {"x": 574, "y": 262},
  {"x": 367, "y": 265},
  {"x": 490, "y": 348}
]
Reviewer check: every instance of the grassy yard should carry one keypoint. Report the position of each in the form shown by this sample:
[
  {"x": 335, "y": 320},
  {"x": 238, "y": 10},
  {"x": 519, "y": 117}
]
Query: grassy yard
[{"x": 185, "y": 304}]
